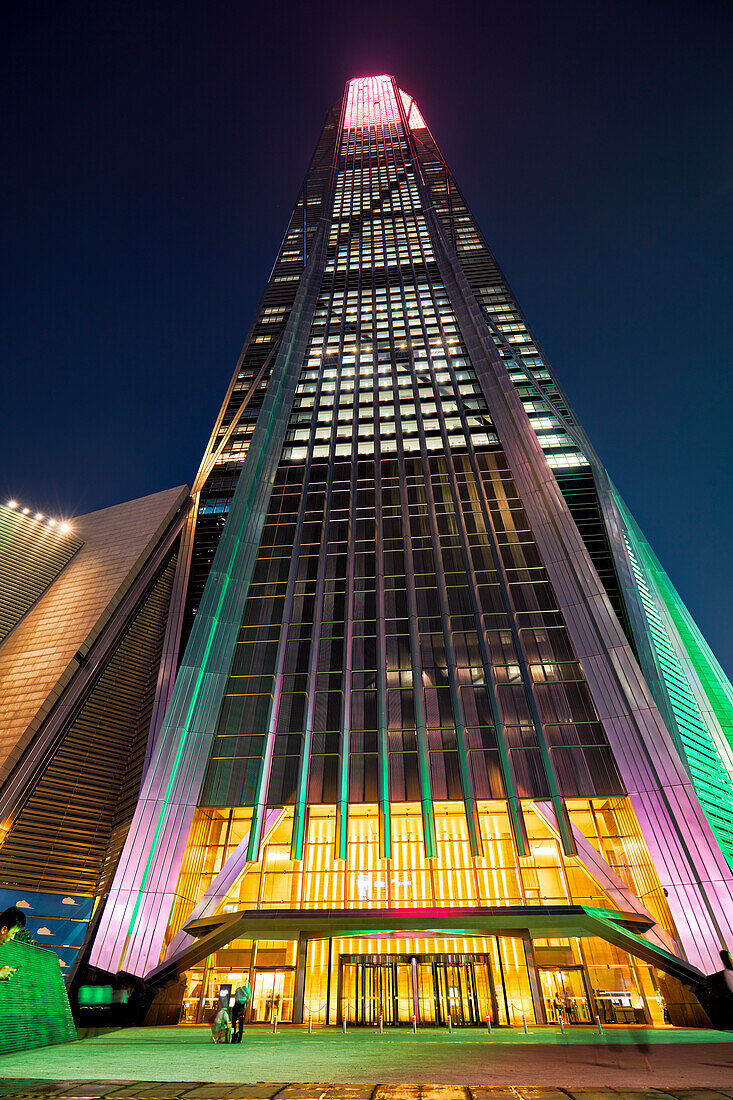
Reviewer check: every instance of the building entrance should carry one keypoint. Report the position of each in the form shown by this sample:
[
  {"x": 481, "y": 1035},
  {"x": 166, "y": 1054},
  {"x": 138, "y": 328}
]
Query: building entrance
[
  {"x": 431, "y": 988},
  {"x": 454, "y": 989},
  {"x": 272, "y": 993},
  {"x": 269, "y": 998},
  {"x": 565, "y": 994},
  {"x": 375, "y": 987}
]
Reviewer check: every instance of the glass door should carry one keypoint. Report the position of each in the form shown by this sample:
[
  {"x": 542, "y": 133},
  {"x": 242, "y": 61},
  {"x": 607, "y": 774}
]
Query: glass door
[
  {"x": 405, "y": 1002},
  {"x": 565, "y": 995},
  {"x": 379, "y": 984},
  {"x": 400, "y": 986},
  {"x": 427, "y": 1003},
  {"x": 372, "y": 988},
  {"x": 456, "y": 993},
  {"x": 272, "y": 995},
  {"x": 458, "y": 986}
]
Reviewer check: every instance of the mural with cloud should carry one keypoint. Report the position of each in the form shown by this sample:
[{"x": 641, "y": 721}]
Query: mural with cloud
[{"x": 58, "y": 922}]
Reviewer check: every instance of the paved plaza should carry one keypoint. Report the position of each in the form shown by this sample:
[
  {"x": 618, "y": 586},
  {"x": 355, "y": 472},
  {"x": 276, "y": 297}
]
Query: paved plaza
[
  {"x": 151, "y": 1090},
  {"x": 181, "y": 1062}
]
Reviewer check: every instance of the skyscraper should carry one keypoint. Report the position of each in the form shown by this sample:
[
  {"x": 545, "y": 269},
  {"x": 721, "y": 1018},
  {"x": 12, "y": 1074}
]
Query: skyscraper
[{"x": 434, "y": 733}]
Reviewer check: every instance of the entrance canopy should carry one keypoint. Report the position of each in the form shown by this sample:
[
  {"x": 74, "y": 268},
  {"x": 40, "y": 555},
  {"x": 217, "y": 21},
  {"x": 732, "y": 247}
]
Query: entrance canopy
[{"x": 624, "y": 930}]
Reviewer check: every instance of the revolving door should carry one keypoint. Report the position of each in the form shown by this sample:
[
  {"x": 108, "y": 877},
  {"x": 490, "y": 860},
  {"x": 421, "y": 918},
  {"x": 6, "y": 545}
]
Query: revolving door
[{"x": 430, "y": 988}]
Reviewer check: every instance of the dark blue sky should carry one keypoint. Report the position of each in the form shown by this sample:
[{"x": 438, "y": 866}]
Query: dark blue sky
[{"x": 152, "y": 151}]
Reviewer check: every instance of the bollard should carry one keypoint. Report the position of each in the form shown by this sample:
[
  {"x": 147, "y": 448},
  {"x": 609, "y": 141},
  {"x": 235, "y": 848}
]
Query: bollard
[
  {"x": 524, "y": 1021},
  {"x": 381, "y": 1024},
  {"x": 414, "y": 1024},
  {"x": 562, "y": 1026},
  {"x": 274, "y": 1023},
  {"x": 344, "y": 1025},
  {"x": 599, "y": 1025},
  {"x": 450, "y": 1025},
  {"x": 310, "y": 1024},
  {"x": 488, "y": 1024}
]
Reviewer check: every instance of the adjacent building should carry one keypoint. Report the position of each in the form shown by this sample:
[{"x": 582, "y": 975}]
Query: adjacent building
[
  {"x": 85, "y": 609},
  {"x": 432, "y": 734}
]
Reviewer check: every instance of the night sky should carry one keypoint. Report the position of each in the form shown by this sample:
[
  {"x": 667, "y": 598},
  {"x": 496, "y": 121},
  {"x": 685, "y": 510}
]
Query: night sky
[{"x": 151, "y": 155}]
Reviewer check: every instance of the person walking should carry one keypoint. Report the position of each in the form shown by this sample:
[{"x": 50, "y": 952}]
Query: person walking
[{"x": 242, "y": 997}]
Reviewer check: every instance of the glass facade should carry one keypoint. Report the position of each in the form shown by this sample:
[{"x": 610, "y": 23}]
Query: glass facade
[
  {"x": 364, "y": 879},
  {"x": 415, "y": 621},
  {"x": 468, "y": 977},
  {"x": 401, "y": 640}
]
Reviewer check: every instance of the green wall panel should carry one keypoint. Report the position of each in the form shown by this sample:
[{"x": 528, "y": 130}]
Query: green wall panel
[
  {"x": 706, "y": 762},
  {"x": 34, "y": 1007}
]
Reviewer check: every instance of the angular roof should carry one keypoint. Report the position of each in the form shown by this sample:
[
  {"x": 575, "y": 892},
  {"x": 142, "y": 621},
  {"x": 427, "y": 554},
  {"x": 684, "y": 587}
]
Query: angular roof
[{"x": 39, "y": 657}]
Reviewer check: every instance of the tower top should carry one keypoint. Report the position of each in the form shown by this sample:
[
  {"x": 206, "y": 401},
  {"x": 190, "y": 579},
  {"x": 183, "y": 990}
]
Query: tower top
[{"x": 371, "y": 101}]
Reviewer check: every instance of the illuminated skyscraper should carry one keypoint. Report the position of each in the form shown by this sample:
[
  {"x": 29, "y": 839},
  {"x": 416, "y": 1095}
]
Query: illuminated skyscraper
[{"x": 442, "y": 737}]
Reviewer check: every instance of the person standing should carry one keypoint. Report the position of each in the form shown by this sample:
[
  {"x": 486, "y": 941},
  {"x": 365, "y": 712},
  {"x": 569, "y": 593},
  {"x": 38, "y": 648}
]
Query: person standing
[
  {"x": 242, "y": 997},
  {"x": 221, "y": 1023},
  {"x": 11, "y": 921}
]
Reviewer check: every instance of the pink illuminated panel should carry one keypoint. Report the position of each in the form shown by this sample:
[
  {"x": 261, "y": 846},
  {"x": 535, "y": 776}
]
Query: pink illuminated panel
[
  {"x": 371, "y": 102},
  {"x": 414, "y": 119}
]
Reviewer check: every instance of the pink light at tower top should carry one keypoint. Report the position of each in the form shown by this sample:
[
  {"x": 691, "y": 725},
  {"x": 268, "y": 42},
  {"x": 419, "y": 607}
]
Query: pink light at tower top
[
  {"x": 414, "y": 119},
  {"x": 371, "y": 101}
]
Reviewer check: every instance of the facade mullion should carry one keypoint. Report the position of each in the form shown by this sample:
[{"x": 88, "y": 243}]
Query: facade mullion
[
  {"x": 342, "y": 804},
  {"x": 558, "y": 803},
  {"x": 466, "y": 783},
  {"x": 314, "y": 671},
  {"x": 426, "y": 794},
  {"x": 273, "y": 713},
  {"x": 385, "y": 831},
  {"x": 516, "y": 815},
  {"x": 418, "y": 676}
]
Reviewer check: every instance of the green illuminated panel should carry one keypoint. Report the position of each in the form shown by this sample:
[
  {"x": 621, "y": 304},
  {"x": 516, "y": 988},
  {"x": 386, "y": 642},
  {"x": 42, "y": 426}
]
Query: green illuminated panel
[
  {"x": 34, "y": 1007},
  {"x": 717, "y": 688},
  {"x": 709, "y": 774}
]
